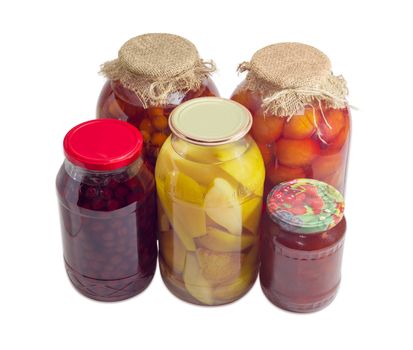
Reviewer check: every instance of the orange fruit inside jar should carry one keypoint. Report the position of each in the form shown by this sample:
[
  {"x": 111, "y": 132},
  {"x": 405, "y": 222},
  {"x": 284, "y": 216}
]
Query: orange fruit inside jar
[{"x": 312, "y": 144}]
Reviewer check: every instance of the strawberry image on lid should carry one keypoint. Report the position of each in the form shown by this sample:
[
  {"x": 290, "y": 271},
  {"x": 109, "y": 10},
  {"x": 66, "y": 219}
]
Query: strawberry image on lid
[{"x": 305, "y": 206}]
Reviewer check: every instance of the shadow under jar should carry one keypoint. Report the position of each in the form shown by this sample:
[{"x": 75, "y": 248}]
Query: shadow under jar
[
  {"x": 302, "y": 245},
  {"x": 153, "y": 74},
  {"x": 209, "y": 178},
  {"x": 301, "y": 120},
  {"x": 106, "y": 194}
]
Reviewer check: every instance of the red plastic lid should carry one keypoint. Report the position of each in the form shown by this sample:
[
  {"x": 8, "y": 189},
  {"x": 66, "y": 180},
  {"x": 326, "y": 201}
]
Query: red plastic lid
[{"x": 103, "y": 144}]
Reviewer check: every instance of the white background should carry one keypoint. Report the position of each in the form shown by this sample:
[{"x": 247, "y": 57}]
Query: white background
[{"x": 50, "y": 55}]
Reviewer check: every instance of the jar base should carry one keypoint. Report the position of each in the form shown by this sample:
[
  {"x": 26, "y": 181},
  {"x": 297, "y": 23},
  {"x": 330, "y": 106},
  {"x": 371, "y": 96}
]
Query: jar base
[
  {"x": 108, "y": 290},
  {"x": 289, "y": 305},
  {"x": 177, "y": 288}
]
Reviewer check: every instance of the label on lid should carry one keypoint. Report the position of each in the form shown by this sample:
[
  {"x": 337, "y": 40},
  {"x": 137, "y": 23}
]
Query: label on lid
[{"x": 305, "y": 206}]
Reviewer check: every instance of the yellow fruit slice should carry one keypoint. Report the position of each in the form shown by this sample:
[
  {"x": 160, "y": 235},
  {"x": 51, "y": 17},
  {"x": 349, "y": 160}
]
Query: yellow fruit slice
[
  {"x": 202, "y": 172},
  {"x": 190, "y": 218},
  {"x": 248, "y": 169},
  {"x": 172, "y": 251},
  {"x": 195, "y": 153},
  {"x": 234, "y": 290},
  {"x": 180, "y": 186},
  {"x": 187, "y": 214},
  {"x": 222, "y": 241},
  {"x": 219, "y": 267},
  {"x": 222, "y": 206},
  {"x": 197, "y": 285},
  {"x": 228, "y": 152},
  {"x": 164, "y": 200},
  {"x": 251, "y": 214},
  {"x": 178, "y": 227},
  {"x": 165, "y": 165},
  {"x": 163, "y": 221}
]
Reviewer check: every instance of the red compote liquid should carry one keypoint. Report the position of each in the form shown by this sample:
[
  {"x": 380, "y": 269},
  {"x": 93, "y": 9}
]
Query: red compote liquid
[
  {"x": 108, "y": 213},
  {"x": 115, "y": 101},
  {"x": 302, "y": 245}
]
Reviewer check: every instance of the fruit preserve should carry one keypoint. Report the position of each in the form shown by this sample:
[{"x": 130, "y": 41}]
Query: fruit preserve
[
  {"x": 301, "y": 121},
  {"x": 302, "y": 245},
  {"x": 107, "y": 205},
  {"x": 153, "y": 74},
  {"x": 209, "y": 178}
]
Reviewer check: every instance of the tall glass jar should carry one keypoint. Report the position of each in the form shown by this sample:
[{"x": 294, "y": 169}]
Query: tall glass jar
[
  {"x": 107, "y": 204},
  {"x": 153, "y": 74},
  {"x": 301, "y": 120},
  {"x": 302, "y": 245},
  {"x": 209, "y": 178}
]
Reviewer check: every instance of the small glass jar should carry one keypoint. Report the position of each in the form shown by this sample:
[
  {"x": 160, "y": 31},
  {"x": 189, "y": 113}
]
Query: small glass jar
[
  {"x": 134, "y": 95},
  {"x": 209, "y": 178},
  {"x": 302, "y": 245},
  {"x": 107, "y": 204},
  {"x": 301, "y": 120}
]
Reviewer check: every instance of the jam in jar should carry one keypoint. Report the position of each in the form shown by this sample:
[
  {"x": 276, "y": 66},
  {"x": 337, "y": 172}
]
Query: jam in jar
[
  {"x": 301, "y": 120},
  {"x": 209, "y": 177},
  {"x": 153, "y": 74},
  {"x": 302, "y": 245},
  {"x": 107, "y": 203}
]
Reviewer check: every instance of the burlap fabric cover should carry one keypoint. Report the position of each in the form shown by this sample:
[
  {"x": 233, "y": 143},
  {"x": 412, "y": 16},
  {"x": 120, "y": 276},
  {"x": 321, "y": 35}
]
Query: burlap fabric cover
[
  {"x": 156, "y": 65},
  {"x": 292, "y": 75}
]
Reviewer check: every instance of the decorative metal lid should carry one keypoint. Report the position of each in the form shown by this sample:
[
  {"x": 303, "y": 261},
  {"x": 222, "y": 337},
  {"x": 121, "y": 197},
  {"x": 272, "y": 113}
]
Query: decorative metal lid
[
  {"x": 210, "y": 121},
  {"x": 305, "y": 206}
]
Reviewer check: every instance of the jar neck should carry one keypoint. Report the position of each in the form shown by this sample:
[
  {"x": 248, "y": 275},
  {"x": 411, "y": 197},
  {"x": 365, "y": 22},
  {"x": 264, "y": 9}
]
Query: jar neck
[
  {"x": 80, "y": 174},
  {"x": 207, "y": 154}
]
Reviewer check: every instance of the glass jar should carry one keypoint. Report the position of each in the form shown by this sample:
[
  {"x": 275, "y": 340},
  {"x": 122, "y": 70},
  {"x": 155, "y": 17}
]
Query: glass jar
[
  {"x": 136, "y": 95},
  {"x": 209, "y": 178},
  {"x": 302, "y": 245},
  {"x": 301, "y": 120},
  {"x": 107, "y": 203}
]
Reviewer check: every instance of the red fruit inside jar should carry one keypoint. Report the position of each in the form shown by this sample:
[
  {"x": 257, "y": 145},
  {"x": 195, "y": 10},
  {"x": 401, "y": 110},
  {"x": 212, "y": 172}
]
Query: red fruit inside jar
[
  {"x": 117, "y": 102},
  {"x": 109, "y": 229},
  {"x": 313, "y": 143}
]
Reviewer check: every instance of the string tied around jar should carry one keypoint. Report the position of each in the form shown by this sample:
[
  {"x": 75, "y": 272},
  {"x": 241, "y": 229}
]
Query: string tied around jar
[{"x": 156, "y": 65}]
